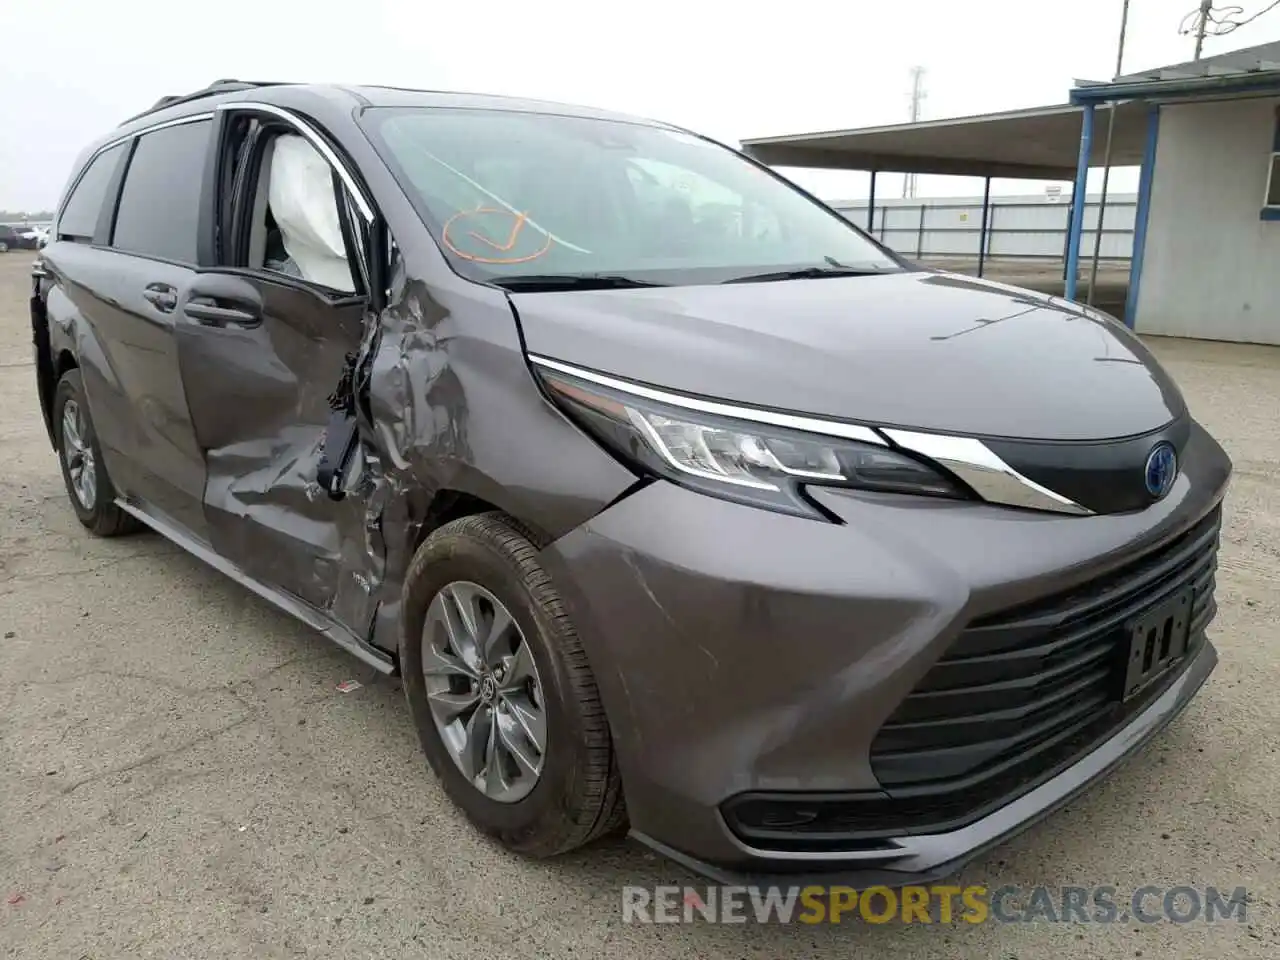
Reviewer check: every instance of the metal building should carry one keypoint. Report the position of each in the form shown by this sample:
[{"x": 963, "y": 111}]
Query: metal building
[{"x": 1206, "y": 223}]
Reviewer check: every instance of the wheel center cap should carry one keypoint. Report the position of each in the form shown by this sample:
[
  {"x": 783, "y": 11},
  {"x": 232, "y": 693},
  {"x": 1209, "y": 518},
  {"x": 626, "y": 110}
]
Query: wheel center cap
[{"x": 488, "y": 689}]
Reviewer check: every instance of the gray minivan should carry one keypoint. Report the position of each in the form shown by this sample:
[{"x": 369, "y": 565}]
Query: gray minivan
[{"x": 675, "y": 500}]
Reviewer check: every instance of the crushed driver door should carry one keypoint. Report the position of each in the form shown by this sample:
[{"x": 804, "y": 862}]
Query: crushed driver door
[{"x": 267, "y": 344}]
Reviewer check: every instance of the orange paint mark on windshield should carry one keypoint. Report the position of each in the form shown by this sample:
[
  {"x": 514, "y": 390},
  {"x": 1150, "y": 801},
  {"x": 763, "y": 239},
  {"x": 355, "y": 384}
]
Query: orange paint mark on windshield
[{"x": 481, "y": 246}]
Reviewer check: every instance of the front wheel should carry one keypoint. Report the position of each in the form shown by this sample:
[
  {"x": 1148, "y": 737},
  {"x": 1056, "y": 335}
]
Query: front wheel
[{"x": 505, "y": 704}]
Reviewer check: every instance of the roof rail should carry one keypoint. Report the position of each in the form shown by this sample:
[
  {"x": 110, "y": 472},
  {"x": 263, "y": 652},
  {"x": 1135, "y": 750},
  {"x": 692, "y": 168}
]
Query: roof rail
[{"x": 215, "y": 88}]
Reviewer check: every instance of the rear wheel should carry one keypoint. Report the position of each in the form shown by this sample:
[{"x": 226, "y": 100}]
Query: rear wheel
[
  {"x": 85, "y": 475},
  {"x": 506, "y": 707}
]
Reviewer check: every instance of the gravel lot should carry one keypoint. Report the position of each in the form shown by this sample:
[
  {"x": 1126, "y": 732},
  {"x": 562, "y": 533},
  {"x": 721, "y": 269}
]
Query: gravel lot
[{"x": 181, "y": 778}]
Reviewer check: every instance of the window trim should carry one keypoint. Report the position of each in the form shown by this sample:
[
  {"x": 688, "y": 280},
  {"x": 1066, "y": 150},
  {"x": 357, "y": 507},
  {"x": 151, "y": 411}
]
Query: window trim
[
  {"x": 1271, "y": 211},
  {"x": 1267, "y": 206},
  {"x": 226, "y": 167},
  {"x": 320, "y": 143},
  {"x": 111, "y": 205}
]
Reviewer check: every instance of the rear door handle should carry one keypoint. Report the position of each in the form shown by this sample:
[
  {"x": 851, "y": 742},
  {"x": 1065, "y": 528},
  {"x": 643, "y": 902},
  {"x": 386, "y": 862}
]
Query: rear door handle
[{"x": 162, "y": 296}]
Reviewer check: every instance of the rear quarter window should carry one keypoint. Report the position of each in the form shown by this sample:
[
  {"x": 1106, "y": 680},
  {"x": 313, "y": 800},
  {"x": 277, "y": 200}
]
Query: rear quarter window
[
  {"x": 159, "y": 209},
  {"x": 79, "y": 219}
]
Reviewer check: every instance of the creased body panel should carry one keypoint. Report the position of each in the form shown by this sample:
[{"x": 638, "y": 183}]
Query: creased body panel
[
  {"x": 259, "y": 399},
  {"x": 455, "y": 408}
]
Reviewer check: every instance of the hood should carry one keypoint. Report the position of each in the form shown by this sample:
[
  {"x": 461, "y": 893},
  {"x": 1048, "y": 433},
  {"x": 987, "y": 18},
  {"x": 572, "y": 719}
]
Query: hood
[{"x": 929, "y": 351}]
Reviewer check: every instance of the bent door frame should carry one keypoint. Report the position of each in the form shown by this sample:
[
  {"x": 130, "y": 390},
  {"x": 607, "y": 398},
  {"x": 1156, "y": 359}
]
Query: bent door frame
[{"x": 352, "y": 607}]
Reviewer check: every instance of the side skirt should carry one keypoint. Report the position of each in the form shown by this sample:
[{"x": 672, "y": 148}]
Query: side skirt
[{"x": 296, "y": 608}]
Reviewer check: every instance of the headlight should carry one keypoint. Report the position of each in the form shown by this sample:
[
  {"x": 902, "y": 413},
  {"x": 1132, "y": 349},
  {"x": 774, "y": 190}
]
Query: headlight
[{"x": 752, "y": 456}]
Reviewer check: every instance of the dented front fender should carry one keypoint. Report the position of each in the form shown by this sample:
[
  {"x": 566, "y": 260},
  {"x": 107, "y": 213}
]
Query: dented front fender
[{"x": 454, "y": 408}]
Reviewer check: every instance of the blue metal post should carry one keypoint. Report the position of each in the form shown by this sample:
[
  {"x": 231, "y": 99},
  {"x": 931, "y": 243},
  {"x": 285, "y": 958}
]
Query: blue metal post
[
  {"x": 871, "y": 205},
  {"x": 1078, "y": 203},
  {"x": 1140, "y": 213}
]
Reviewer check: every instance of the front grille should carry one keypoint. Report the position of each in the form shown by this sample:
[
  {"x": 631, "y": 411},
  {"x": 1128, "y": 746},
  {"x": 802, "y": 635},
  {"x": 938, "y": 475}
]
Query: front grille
[{"x": 1019, "y": 696}]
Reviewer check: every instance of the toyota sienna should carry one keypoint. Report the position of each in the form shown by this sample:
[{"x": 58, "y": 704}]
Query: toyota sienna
[{"x": 676, "y": 501}]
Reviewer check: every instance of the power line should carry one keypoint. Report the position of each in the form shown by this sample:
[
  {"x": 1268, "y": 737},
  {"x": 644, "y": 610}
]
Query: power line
[{"x": 1210, "y": 21}]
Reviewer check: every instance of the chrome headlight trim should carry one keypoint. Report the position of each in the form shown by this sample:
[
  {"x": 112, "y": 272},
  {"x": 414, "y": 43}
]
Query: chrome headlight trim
[
  {"x": 969, "y": 459},
  {"x": 829, "y": 428},
  {"x": 990, "y": 477}
]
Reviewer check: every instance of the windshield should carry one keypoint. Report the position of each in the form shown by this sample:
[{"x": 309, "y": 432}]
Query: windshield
[{"x": 513, "y": 195}]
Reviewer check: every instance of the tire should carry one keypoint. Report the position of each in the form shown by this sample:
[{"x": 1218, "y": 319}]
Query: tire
[
  {"x": 94, "y": 503},
  {"x": 577, "y": 797},
  {"x": 4, "y": 247}
]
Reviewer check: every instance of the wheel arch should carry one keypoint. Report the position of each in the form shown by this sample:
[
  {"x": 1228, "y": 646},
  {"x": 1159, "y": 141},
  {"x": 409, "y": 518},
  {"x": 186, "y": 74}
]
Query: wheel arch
[
  {"x": 50, "y": 361},
  {"x": 414, "y": 513},
  {"x": 464, "y": 500}
]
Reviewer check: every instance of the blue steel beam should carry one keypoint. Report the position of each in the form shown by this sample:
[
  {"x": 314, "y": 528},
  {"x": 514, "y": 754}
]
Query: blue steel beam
[
  {"x": 1145, "y": 179},
  {"x": 1078, "y": 203}
]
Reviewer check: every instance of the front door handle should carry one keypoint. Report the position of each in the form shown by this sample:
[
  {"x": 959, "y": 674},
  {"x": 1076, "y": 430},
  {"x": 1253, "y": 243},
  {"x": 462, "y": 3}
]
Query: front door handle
[
  {"x": 221, "y": 300},
  {"x": 209, "y": 312},
  {"x": 161, "y": 296}
]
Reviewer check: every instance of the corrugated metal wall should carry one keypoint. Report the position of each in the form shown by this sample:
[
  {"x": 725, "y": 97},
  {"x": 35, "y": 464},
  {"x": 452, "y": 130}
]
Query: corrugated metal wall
[{"x": 1018, "y": 227}]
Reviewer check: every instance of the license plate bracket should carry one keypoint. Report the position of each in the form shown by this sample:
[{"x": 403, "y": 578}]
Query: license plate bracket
[{"x": 1157, "y": 638}]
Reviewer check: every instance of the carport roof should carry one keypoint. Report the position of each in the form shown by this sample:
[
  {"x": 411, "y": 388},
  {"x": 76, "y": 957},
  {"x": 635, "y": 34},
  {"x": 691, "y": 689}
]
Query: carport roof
[
  {"x": 1041, "y": 143},
  {"x": 1251, "y": 70}
]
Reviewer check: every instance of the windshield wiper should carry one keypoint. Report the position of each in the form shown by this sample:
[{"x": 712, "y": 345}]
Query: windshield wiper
[
  {"x": 546, "y": 282},
  {"x": 808, "y": 273}
]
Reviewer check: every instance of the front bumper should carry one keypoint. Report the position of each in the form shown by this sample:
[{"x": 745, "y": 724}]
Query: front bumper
[
  {"x": 930, "y": 857},
  {"x": 742, "y": 653}
]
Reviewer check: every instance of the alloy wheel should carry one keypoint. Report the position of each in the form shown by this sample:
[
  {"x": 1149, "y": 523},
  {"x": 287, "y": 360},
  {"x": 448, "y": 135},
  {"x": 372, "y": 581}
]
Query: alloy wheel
[
  {"x": 484, "y": 691},
  {"x": 77, "y": 454}
]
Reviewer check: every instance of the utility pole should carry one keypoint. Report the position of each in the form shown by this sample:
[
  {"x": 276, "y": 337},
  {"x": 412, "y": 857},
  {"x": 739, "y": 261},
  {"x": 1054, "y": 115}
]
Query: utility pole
[
  {"x": 1112, "y": 107},
  {"x": 917, "y": 99},
  {"x": 1202, "y": 25}
]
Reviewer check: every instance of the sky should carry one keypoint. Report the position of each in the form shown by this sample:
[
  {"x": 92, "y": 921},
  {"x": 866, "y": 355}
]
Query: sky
[{"x": 76, "y": 68}]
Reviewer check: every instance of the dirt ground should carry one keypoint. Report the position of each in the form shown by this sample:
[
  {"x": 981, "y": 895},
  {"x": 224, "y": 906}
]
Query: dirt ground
[{"x": 180, "y": 778}]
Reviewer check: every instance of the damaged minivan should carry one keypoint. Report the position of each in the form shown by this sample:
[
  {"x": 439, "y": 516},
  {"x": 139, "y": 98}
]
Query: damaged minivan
[{"x": 677, "y": 502}]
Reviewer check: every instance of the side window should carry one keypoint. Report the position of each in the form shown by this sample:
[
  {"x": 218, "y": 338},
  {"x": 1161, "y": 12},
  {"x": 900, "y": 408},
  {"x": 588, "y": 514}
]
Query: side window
[
  {"x": 159, "y": 208},
  {"x": 296, "y": 223},
  {"x": 1271, "y": 201},
  {"x": 79, "y": 220}
]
